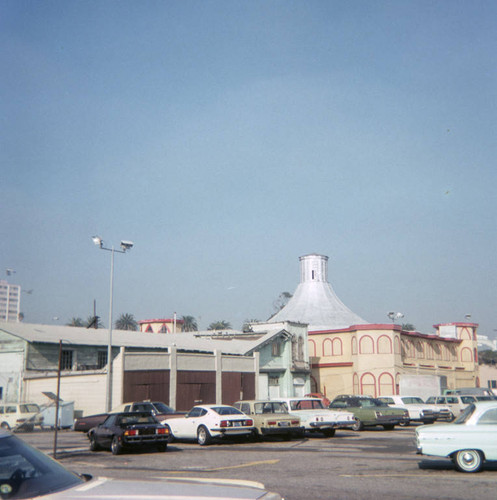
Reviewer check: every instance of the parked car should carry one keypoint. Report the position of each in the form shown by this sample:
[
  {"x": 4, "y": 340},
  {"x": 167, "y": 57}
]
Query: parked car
[
  {"x": 455, "y": 402},
  {"x": 156, "y": 408},
  {"x": 369, "y": 412},
  {"x": 271, "y": 418},
  {"x": 314, "y": 417},
  {"x": 469, "y": 441},
  {"x": 125, "y": 431},
  {"x": 326, "y": 402},
  {"x": 20, "y": 416},
  {"x": 418, "y": 410},
  {"x": 205, "y": 422},
  {"x": 26, "y": 472}
]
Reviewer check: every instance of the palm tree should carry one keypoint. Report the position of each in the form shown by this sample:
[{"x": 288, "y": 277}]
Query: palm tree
[
  {"x": 75, "y": 322},
  {"x": 189, "y": 324},
  {"x": 282, "y": 301},
  {"x": 219, "y": 325},
  {"x": 126, "y": 322},
  {"x": 93, "y": 322}
]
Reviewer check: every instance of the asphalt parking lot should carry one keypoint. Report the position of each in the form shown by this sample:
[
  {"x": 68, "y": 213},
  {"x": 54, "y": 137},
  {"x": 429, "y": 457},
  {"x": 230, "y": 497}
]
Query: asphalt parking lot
[{"x": 371, "y": 464}]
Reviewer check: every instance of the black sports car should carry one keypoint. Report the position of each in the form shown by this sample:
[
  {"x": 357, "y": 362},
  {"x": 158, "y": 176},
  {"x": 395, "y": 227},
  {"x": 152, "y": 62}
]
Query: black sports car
[{"x": 127, "y": 431}]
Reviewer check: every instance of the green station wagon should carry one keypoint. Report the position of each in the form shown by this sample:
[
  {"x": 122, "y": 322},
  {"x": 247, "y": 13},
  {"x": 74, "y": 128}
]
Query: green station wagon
[{"x": 370, "y": 412}]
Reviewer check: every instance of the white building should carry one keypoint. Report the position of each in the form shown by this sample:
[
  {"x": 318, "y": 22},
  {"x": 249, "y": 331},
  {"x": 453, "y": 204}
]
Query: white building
[{"x": 10, "y": 301}]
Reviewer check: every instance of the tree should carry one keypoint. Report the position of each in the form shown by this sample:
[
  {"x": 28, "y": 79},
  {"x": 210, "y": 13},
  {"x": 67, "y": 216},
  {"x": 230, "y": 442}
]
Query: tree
[
  {"x": 246, "y": 327},
  {"x": 219, "y": 325},
  {"x": 281, "y": 301},
  {"x": 93, "y": 322},
  {"x": 75, "y": 322},
  {"x": 189, "y": 324},
  {"x": 126, "y": 322},
  {"x": 487, "y": 357},
  {"x": 408, "y": 327}
]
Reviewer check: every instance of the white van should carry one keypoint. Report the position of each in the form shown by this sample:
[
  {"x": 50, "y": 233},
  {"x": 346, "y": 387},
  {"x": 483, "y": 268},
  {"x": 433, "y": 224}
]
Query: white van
[{"x": 17, "y": 416}]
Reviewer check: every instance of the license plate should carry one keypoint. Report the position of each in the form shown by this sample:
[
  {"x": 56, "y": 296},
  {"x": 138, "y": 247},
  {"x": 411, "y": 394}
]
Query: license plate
[
  {"x": 283, "y": 424},
  {"x": 238, "y": 424}
]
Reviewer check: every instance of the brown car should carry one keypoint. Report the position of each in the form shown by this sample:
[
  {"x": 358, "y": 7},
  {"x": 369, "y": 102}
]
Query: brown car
[{"x": 157, "y": 408}]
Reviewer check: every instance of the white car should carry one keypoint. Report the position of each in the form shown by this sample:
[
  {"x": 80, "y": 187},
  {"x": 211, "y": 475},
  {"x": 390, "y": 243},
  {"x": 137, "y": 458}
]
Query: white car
[
  {"x": 314, "y": 417},
  {"x": 418, "y": 410},
  {"x": 20, "y": 416},
  {"x": 469, "y": 441},
  {"x": 205, "y": 422}
]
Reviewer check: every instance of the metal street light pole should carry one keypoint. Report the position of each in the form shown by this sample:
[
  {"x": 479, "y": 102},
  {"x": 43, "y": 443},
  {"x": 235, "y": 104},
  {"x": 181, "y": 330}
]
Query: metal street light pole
[{"x": 125, "y": 245}]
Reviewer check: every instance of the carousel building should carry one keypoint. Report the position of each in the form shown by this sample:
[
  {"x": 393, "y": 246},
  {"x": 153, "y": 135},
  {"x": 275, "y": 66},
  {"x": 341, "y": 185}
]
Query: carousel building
[{"x": 348, "y": 355}]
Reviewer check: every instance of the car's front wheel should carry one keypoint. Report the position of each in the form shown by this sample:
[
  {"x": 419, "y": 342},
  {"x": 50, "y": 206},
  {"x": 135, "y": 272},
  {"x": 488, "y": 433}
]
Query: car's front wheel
[
  {"x": 93, "y": 444},
  {"x": 203, "y": 436},
  {"x": 5, "y": 426},
  {"x": 468, "y": 460},
  {"x": 405, "y": 423},
  {"x": 116, "y": 446}
]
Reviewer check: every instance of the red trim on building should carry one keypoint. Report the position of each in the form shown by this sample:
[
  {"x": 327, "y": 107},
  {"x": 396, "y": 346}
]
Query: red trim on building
[
  {"x": 144, "y": 321},
  {"x": 329, "y": 365}
]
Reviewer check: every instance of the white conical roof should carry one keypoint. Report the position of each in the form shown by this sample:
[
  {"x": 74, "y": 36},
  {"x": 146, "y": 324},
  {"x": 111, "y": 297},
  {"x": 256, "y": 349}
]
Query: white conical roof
[{"x": 314, "y": 301}]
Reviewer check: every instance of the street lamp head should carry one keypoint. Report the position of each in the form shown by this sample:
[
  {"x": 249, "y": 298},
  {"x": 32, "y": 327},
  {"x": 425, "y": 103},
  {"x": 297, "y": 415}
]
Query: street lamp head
[
  {"x": 98, "y": 241},
  {"x": 126, "y": 245}
]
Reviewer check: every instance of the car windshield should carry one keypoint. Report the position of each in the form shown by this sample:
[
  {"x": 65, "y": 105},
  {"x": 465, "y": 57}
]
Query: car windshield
[
  {"x": 163, "y": 408},
  {"x": 377, "y": 402},
  {"x": 465, "y": 414},
  {"x": 26, "y": 472},
  {"x": 306, "y": 404},
  {"x": 29, "y": 408},
  {"x": 412, "y": 401},
  {"x": 226, "y": 410},
  {"x": 270, "y": 407}
]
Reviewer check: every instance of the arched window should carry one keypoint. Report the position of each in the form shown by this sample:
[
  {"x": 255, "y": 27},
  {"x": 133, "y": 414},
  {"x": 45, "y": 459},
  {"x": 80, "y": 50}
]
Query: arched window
[
  {"x": 396, "y": 344},
  {"x": 386, "y": 384},
  {"x": 327, "y": 347},
  {"x": 368, "y": 384},
  {"x": 466, "y": 355},
  {"x": 420, "y": 351},
  {"x": 337, "y": 347},
  {"x": 465, "y": 334},
  {"x": 301, "y": 348},
  {"x": 384, "y": 344},
  {"x": 312, "y": 348},
  {"x": 366, "y": 345},
  {"x": 354, "y": 346}
]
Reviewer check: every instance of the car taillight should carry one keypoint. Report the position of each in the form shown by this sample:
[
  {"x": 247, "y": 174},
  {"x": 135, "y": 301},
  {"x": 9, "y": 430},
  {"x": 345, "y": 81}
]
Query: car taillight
[
  {"x": 131, "y": 432},
  {"x": 272, "y": 422},
  {"x": 20, "y": 420},
  {"x": 162, "y": 430},
  {"x": 295, "y": 422},
  {"x": 224, "y": 423},
  {"x": 249, "y": 422}
]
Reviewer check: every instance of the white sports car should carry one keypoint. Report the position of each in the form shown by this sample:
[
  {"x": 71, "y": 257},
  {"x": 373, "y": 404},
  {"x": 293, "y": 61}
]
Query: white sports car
[{"x": 206, "y": 422}]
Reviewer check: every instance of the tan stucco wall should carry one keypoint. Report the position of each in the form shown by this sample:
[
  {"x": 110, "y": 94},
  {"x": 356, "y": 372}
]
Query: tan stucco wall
[{"x": 370, "y": 359}]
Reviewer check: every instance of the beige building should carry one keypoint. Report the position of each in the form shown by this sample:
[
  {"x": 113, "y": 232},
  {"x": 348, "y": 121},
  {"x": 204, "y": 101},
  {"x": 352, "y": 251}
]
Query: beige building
[
  {"x": 348, "y": 355},
  {"x": 370, "y": 359}
]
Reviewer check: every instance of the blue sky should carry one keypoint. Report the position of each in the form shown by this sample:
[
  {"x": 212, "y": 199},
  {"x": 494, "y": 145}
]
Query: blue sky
[{"x": 228, "y": 138}]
